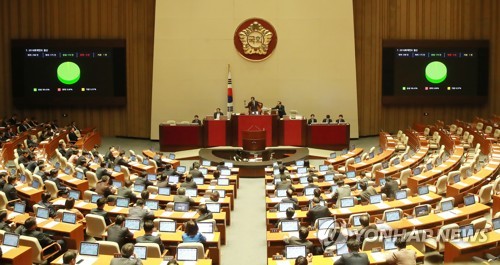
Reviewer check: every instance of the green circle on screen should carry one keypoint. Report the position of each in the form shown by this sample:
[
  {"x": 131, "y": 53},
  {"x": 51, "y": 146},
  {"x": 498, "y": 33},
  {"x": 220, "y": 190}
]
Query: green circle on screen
[
  {"x": 68, "y": 73},
  {"x": 436, "y": 72}
]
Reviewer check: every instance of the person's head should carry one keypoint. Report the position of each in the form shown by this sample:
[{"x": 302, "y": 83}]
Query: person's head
[
  {"x": 388, "y": 179},
  {"x": 216, "y": 174},
  {"x": 279, "y": 102},
  {"x": 196, "y": 117},
  {"x": 315, "y": 201},
  {"x": 353, "y": 245},
  {"x": 101, "y": 202},
  {"x": 290, "y": 212},
  {"x": 301, "y": 260},
  {"x": 103, "y": 164},
  {"x": 145, "y": 194},
  {"x": 12, "y": 179},
  {"x": 46, "y": 196},
  {"x": 364, "y": 220},
  {"x": 143, "y": 174},
  {"x": 215, "y": 196},
  {"x": 312, "y": 116},
  {"x": 30, "y": 223},
  {"x": 282, "y": 169},
  {"x": 3, "y": 175},
  {"x": 252, "y": 98},
  {"x": 127, "y": 250},
  {"x": 283, "y": 177},
  {"x": 217, "y": 109},
  {"x": 189, "y": 178},
  {"x": 69, "y": 204},
  {"x": 289, "y": 193},
  {"x": 363, "y": 185},
  {"x": 3, "y": 215},
  {"x": 172, "y": 262},
  {"x": 340, "y": 183},
  {"x": 139, "y": 202},
  {"x": 127, "y": 183},
  {"x": 69, "y": 257},
  {"x": 341, "y": 116},
  {"x": 400, "y": 243},
  {"x": 317, "y": 192},
  {"x": 105, "y": 179},
  {"x": 310, "y": 179},
  {"x": 181, "y": 191},
  {"x": 148, "y": 227},
  {"x": 191, "y": 228},
  {"x": 303, "y": 233},
  {"x": 196, "y": 164},
  {"x": 120, "y": 219},
  {"x": 202, "y": 209}
]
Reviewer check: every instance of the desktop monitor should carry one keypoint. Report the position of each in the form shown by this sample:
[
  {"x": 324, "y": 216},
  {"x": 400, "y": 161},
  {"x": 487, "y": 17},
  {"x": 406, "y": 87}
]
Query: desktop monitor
[
  {"x": 292, "y": 252},
  {"x": 385, "y": 164},
  {"x": 167, "y": 226},
  {"x": 422, "y": 190},
  {"x": 276, "y": 171},
  {"x": 299, "y": 163},
  {"x": 469, "y": 200},
  {"x": 69, "y": 218},
  {"x": 323, "y": 168},
  {"x": 191, "y": 192},
  {"x": 345, "y": 151},
  {"x": 145, "y": 161},
  {"x": 326, "y": 223},
  {"x": 11, "y": 239},
  {"x": 456, "y": 178},
  {"x": 205, "y": 227},
  {"x": 467, "y": 230},
  {"x": 181, "y": 206},
  {"x": 133, "y": 158},
  {"x": 152, "y": 204},
  {"x": 428, "y": 166},
  {"x": 390, "y": 243},
  {"x": 346, "y": 202},
  {"x": 401, "y": 195},
  {"x": 180, "y": 169},
  {"x": 228, "y": 164},
  {"x": 285, "y": 205},
  {"x": 350, "y": 174},
  {"x": 334, "y": 188},
  {"x": 89, "y": 249},
  {"x": 438, "y": 161},
  {"x": 225, "y": 172},
  {"x": 446, "y": 205},
  {"x": 396, "y": 161},
  {"x": 173, "y": 179},
  {"x": 382, "y": 182},
  {"x": 22, "y": 178},
  {"x": 206, "y": 163},
  {"x": 187, "y": 254},
  {"x": 139, "y": 188},
  {"x": 281, "y": 193},
  {"x": 42, "y": 213},
  {"x": 405, "y": 157},
  {"x": 392, "y": 216},
  {"x": 122, "y": 202},
  {"x": 333, "y": 155},
  {"x": 95, "y": 197},
  {"x": 67, "y": 170},
  {"x": 133, "y": 224},
  {"x": 289, "y": 225},
  {"x": 223, "y": 182},
  {"x": 19, "y": 207},
  {"x": 152, "y": 177},
  {"x": 75, "y": 194},
  {"x": 141, "y": 252},
  {"x": 301, "y": 170},
  {"x": 57, "y": 165},
  {"x": 353, "y": 146},
  {"x": 199, "y": 180},
  {"x": 356, "y": 221},
  {"x": 371, "y": 155},
  {"x": 374, "y": 199},
  {"x": 309, "y": 191},
  {"x": 214, "y": 207},
  {"x": 421, "y": 210},
  {"x": 164, "y": 191}
]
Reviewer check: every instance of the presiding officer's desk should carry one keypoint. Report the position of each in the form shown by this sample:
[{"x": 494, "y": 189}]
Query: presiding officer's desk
[
  {"x": 373, "y": 257},
  {"x": 106, "y": 259},
  {"x": 20, "y": 255}
]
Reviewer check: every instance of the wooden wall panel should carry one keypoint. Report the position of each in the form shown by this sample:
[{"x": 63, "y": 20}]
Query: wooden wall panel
[
  {"x": 376, "y": 20},
  {"x": 132, "y": 20}
]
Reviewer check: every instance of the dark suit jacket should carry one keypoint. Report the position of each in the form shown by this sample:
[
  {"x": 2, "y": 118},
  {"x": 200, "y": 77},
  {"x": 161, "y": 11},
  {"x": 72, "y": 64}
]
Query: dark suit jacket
[
  {"x": 292, "y": 200},
  {"x": 196, "y": 173},
  {"x": 43, "y": 239},
  {"x": 5, "y": 227},
  {"x": 390, "y": 189},
  {"x": 295, "y": 241},
  {"x": 99, "y": 172},
  {"x": 50, "y": 206},
  {"x": 72, "y": 137},
  {"x": 354, "y": 258},
  {"x": 119, "y": 234},
  {"x": 102, "y": 213},
  {"x": 281, "y": 110},
  {"x": 368, "y": 232},
  {"x": 206, "y": 216},
  {"x": 189, "y": 185},
  {"x": 163, "y": 184},
  {"x": 183, "y": 198},
  {"x": 126, "y": 193},
  {"x": 317, "y": 212},
  {"x": 143, "y": 181},
  {"x": 125, "y": 261},
  {"x": 327, "y": 120},
  {"x": 339, "y": 120},
  {"x": 120, "y": 161},
  {"x": 311, "y": 121},
  {"x": 137, "y": 212},
  {"x": 151, "y": 239},
  {"x": 103, "y": 188},
  {"x": 218, "y": 113},
  {"x": 284, "y": 185},
  {"x": 10, "y": 191}
]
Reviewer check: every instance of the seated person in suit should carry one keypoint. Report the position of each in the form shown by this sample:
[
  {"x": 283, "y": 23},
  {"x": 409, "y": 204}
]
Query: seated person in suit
[
  {"x": 284, "y": 184},
  {"x": 317, "y": 211},
  {"x": 216, "y": 174},
  {"x": 290, "y": 212},
  {"x": 118, "y": 233},
  {"x": 390, "y": 188},
  {"x": 310, "y": 180},
  {"x": 143, "y": 179},
  {"x": 301, "y": 260},
  {"x": 214, "y": 197},
  {"x": 317, "y": 194},
  {"x": 327, "y": 119},
  {"x": 3, "y": 221},
  {"x": 138, "y": 211},
  {"x": 221, "y": 166},
  {"x": 163, "y": 182},
  {"x": 289, "y": 198},
  {"x": 3, "y": 179},
  {"x": 69, "y": 206},
  {"x": 218, "y": 114},
  {"x": 403, "y": 256},
  {"x": 169, "y": 171},
  {"x": 354, "y": 256},
  {"x": 69, "y": 258},
  {"x": 196, "y": 120},
  {"x": 45, "y": 202},
  {"x": 101, "y": 202},
  {"x": 312, "y": 120},
  {"x": 181, "y": 197},
  {"x": 102, "y": 171},
  {"x": 301, "y": 240},
  {"x": 104, "y": 187},
  {"x": 73, "y": 137},
  {"x": 191, "y": 233},
  {"x": 128, "y": 256},
  {"x": 368, "y": 230},
  {"x": 62, "y": 147},
  {"x": 120, "y": 159},
  {"x": 74, "y": 156},
  {"x": 204, "y": 213},
  {"x": 195, "y": 172},
  {"x": 189, "y": 183},
  {"x": 53, "y": 177},
  {"x": 366, "y": 192},
  {"x": 9, "y": 189},
  {"x": 340, "y": 119},
  {"x": 148, "y": 236},
  {"x": 126, "y": 192},
  {"x": 44, "y": 240},
  {"x": 341, "y": 192},
  {"x": 283, "y": 172}
]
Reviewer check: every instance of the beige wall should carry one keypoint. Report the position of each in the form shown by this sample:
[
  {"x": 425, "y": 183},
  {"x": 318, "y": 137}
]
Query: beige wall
[{"x": 312, "y": 69}]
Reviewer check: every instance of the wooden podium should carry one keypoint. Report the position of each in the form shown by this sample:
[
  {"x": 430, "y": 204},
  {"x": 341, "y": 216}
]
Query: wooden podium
[{"x": 254, "y": 140}]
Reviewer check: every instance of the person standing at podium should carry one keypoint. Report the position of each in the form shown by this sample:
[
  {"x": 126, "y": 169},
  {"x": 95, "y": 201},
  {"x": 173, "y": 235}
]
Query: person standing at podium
[
  {"x": 218, "y": 114},
  {"x": 254, "y": 107},
  {"x": 281, "y": 109}
]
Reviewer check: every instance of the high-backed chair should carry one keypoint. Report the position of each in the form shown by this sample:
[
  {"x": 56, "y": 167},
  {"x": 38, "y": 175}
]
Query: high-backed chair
[
  {"x": 440, "y": 186},
  {"x": 87, "y": 195},
  {"x": 108, "y": 247},
  {"x": 40, "y": 180},
  {"x": 459, "y": 131},
  {"x": 403, "y": 177},
  {"x": 127, "y": 175},
  {"x": 485, "y": 194},
  {"x": 39, "y": 255},
  {"x": 352, "y": 216},
  {"x": 52, "y": 188},
  {"x": 453, "y": 128},
  {"x": 426, "y": 132},
  {"x": 446, "y": 233},
  {"x": 375, "y": 167},
  {"x": 479, "y": 126},
  {"x": 92, "y": 179},
  {"x": 438, "y": 206},
  {"x": 4, "y": 202},
  {"x": 451, "y": 177},
  {"x": 96, "y": 226},
  {"x": 416, "y": 239},
  {"x": 488, "y": 129},
  {"x": 372, "y": 242},
  {"x": 479, "y": 224},
  {"x": 348, "y": 162}
]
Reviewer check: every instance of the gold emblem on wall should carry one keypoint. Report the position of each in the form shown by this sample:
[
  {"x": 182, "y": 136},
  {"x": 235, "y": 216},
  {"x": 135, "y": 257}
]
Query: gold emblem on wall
[{"x": 255, "y": 39}]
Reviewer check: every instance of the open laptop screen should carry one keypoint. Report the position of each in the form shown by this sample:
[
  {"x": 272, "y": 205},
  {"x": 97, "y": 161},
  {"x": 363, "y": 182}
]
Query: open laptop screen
[
  {"x": 95, "y": 197},
  {"x": 346, "y": 202},
  {"x": 469, "y": 200},
  {"x": 181, "y": 206},
  {"x": 133, "y": 224},
  {"x": 290, "y": 226},
  {"x": 496, "y": 223},
  {"x": 89, "y": 248},
  {"x": 292, "y": 252},
  {"x": 446, "y": 206},
  {"x": 392, "y": 216},
  {"x": 390, "y": 243},
  {"x": 422, "y": 190},
  {"x": 285, "y": 205},
  {"x": 187, "y": 254},
  {"x": 122, "y": 202},
  {"x": 75, "y": 194},
  {"x": 42, "y": 213},
  {"x": 205, "y": 227},
  {"x": 376, "y": 199},
  {"x": 401, "y": 194},
  {"x": 152, "y": 204},
  {"x": 11, "y": 239},
  {"x": 214, "y": 207},
  {"x": 164, "y": 191},
  {"x": 141, "y": 252},
  {"x": 326, "y": 223},
  {"x": 19, "y": 207},
  {"x": 167, "y": 226},
  {"x": 69, "y": 218}
]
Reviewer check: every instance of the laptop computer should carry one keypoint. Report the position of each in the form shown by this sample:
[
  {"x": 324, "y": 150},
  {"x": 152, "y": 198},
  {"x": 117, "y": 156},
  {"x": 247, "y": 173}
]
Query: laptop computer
[
  {"x": 35, "y": 184},
  {"x": 152, "y": 177},
  {"x": 303, "y": 180},
  {"x": 446, "y": 206},
  {"x": 309, "y": 192},
  {"x": 117, "y": 168},
  {"x": 467, "y": 230},
  {"x": 281, "y": 193},
  {"x": 385, "y": 164},
  {"x": 67, "y": 170},
  {"x": 292, "y": 252},
  {"x": 390, "y": 243},
  {"x": 456, "y": 179},
  {"x": 301, "y": 170},
  {"x": 346, "y": 202},
  {"x": 133, "y": 224},
  {"x": 199, "y": 180},
  {"x": 496, "y": 223},
  {"x": 11, "y": 239},
  {"x": 428, "y": 166},
  {"x": 79, "y": 175},
  {"x": 167, "y": 226},
  {"x": 333, "y": 155},
  {"x": 421, "y": 210},
  {"x": 392, "y": 216},
  {"x": 469, "y": 200},
  {"x": 285, "y": 205},
  {"x": 329, "y": 177},
  {"x": 171, "y": 156},
  {"x": 356, "y": 221},
  {"x": 323, "y": 168},
  {"x": 225, "y": 172},
  {"x": 223, "y": 182},
  {"x": 345, "y": 151},
  {"x": 19, "y": 207},
  {"x": 42, "y": 213},
  {"x": 75, "y": 194},
  {"x": 222, "y": 193},
  {"x": 350, "y": 174},
  {"x": 299, "y": 163},
  {"x": 422, "y": 190},
  {"x": 133, "y": 158},
  {"x": 357, "y": 159},
  {"x": 228, "y": 164},
  {"x": 203, "y": 171},
  {"x": 145, "y": 161},
  {"x": 342, "y": 249},
  {"x": 69, "y": 218},
  {"x": 152, "y": 204},
  {"x": 122, "y": 202},
  {"x": 191, "y": 192},
  {"x": 401, "y": 195},
  {"x": 205, "y": 227},
  {"x": 382, "y": 182},
  {"x": 214, "y": 207},
  {"x": 326, "y": 223},
  {"x": 396, "y": 161},
  {"x": 95, "y": 197},
  {"x": 187, "y": 254},
  {"x": 117, "y": 183},
  {"x": 374, "y": 199},
  {"x": 416, "y": 171},
  {"x": 173, "y": 179},
  {"x": 206, "y": 163},
  {"x": 164, "y": 191},
  {"x": 89, "y": 249},
  {"x": 289, "y": 225},
  {"x": 141, "y": 252},
  {"x": 181, "y": 206},
  {"x": 180, "y": 169},
  {"x": 139, "y": 188}
]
